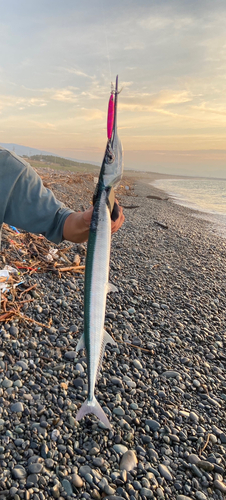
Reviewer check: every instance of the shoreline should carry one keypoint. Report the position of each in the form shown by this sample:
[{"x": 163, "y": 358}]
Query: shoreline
[
  {"x": 216, "y": 220},
  {"x": 163, "y": 385}
]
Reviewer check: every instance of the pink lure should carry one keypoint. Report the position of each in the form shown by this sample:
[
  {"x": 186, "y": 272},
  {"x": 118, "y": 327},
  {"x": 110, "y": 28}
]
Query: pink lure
[{"x": 111, "y": 113}]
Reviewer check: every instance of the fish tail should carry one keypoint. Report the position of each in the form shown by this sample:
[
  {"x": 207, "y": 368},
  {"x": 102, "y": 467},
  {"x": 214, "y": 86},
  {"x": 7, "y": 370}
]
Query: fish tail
[{"x": 93, "y": 407}]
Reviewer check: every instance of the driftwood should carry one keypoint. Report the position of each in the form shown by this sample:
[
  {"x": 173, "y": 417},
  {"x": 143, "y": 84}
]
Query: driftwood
[
  {"x": 130, "y": 206},
  {"x": 164, "y": 226},
  {"x": 153, "y": 197}
]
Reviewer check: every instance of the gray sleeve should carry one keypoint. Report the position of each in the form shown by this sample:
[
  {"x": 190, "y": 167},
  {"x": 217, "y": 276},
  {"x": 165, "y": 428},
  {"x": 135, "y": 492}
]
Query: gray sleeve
[{"x": 29, "y": 205}]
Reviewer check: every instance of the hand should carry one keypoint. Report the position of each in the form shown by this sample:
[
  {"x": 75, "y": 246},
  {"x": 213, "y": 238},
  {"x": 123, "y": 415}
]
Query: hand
[
  {"x": 116, "y": 223},
  {"x": 76, "y": 226}
]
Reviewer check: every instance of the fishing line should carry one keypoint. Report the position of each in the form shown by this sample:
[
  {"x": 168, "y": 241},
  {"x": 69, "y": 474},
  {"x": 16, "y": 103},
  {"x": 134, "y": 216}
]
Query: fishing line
[{"x": 106, "y": 39}]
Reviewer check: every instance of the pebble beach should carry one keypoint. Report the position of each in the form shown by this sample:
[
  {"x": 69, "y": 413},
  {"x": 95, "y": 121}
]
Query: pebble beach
[{"x": 163, "y": 386}]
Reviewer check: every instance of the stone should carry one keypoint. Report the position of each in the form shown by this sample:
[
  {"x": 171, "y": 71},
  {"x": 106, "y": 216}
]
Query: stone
[
  {"x": 119, "y": 411},
  {"x": 183, "y": 497},
  {"x": 170, "y": 374},
  {"x": 146, "y": 492},
  {"x": 23, "y": 365},
  {"x": 67, "y": 486},
  {"x": 219, "y": 485},
  {"x": 49, "y": 463},
  {"x": 32, "y": 479},
  {"x": 223, "y": 437},
  {"x": 55, "y": 491},
  {"x": 137, "y": 364},
  {"x": 164, "y": 471},
  {"x": 78, "y": 382},
  {"x": 120, "y": 448},
  {"x": 128, "y": 461},
  {"x": 77, "y": 481},
  {"x": 193, "y": 458},
  {"x": 17, "y": 407},
  {"x": 19, "y": 472},
  {"x": 153, "y": 424},
  {"x": 85, "y": 469},
  {"x": 207, "y": 466},
  {"x": 194, "y": 417},
  {"x": 98, "y": 461},
  {"x": 160, "y": 493},
  {"x": 200, "y": 495},
  {"x": 35, "y": 468},
  {"x": 70, "y": 355}
]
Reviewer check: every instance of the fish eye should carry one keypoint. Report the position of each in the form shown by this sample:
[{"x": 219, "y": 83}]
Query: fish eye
[{"x": 110, "y": 157}]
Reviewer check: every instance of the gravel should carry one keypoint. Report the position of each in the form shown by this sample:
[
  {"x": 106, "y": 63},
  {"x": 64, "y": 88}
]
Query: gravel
[{"x": 163, "y": 386}]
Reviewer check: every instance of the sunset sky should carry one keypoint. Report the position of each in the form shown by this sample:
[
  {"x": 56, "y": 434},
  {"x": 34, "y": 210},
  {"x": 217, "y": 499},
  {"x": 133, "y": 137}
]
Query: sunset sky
[{"x": 58, "y": 58}]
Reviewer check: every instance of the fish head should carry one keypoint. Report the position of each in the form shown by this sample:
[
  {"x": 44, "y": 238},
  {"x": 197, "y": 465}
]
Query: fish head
[{"x": 112, "y": 165}]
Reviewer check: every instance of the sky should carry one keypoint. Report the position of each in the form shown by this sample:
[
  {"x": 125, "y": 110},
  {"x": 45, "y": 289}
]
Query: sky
[{"x": 59, "y": 57}]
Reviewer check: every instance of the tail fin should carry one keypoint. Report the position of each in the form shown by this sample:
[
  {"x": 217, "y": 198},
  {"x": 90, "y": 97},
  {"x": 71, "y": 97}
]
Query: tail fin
[{"x": 93, "y": 407}]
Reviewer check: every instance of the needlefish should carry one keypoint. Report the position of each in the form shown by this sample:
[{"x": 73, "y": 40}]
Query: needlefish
[{"x": 95, "y": 338}]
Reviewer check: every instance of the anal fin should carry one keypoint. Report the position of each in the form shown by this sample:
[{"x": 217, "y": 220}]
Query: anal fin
[
  {"x": 107, "y": 339},
  {"x": 111, "y": 288},
  {"x": 81, "y": 343}
]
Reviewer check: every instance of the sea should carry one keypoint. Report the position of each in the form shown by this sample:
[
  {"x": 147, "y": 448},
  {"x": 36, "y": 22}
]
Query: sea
[{"x": 205, "y": 196}]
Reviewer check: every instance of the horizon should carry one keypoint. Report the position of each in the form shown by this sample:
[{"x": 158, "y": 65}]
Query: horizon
[
  {"x": 58, "y": 63},
  {"x": 98, "y": 165}
]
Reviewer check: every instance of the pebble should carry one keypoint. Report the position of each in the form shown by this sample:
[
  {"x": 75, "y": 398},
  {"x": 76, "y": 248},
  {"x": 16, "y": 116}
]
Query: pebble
[
  {"x": 17, "y": 407},
  {"x": 119, "y": 411},
  {"x": 162, "y": 403},
  {"x": 153, "y": 424},
  {"x": 77, "y": 481},
  {"x": 193, "y": 459},
  {"x": 170, "y": 374},
  {"x": 35, "y": 468},
  {"x": 19, "y": 472},
  {"x": 67, "y": 486},
  {"x": 200, "y": 495},
  {"x": 145, "y": 492},
  {"x": 164, "y": 471},
  {"x": 183, "y": 497},
  {"x": 128, "y": 461},
  {"x": 220, "y": 485},
  {"x": 137, "y": 364},
  {"x": 85, "y": 469},
  {"x": 120, "y": 448},
  {"x": 194, "y": 417},
  {"x": 223, "y": 437},
  {"x": 207, "y": 466}
]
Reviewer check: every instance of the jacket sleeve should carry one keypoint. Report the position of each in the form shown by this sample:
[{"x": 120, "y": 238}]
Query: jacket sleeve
[{"x": 28, "y": 204}]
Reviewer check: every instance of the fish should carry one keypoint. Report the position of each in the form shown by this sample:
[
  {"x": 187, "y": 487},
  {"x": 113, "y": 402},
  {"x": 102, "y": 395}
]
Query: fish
[{"x": 95, "y": 338}]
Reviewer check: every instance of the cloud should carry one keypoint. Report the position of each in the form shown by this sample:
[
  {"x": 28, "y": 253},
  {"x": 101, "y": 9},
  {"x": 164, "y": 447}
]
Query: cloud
[
  {"x": 150, "y": 102},
  {"x": 64, "y": 95},
  {"x": 205, "y": 109},
  {"x": 12, "y": 101},
  {"x": 77, "y": 72}
]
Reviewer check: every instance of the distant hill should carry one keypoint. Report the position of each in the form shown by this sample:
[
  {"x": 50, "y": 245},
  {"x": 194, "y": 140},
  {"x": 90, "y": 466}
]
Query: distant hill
[
  {"x": 29, "y": 152},
  {"x": 62, "y": 162}
]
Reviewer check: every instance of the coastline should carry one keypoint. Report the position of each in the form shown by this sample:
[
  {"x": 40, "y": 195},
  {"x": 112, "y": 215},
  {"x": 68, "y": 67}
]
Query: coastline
[
  {"x": 216, "y": 220},
  {"x": 163, "y": 385}
]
